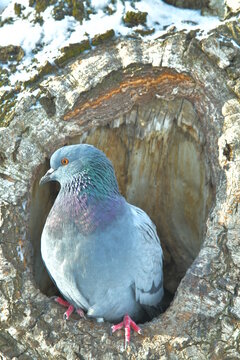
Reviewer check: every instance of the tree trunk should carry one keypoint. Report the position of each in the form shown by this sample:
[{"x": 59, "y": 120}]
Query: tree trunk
[{"x": 167, "y": 114}]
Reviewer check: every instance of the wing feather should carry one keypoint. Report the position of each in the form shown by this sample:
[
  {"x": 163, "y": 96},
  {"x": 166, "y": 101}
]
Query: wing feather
[{"x": 149, "y": 273}]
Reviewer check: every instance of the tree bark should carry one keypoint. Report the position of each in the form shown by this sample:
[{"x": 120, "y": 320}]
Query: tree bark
[{"x": 106, "y": 97}]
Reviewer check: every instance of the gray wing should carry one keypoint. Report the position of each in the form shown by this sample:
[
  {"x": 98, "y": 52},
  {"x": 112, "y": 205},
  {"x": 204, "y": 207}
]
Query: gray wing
[{"x": 149, "y": 274}]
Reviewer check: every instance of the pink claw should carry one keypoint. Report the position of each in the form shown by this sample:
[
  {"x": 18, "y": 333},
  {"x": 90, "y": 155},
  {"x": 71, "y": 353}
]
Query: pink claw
[
  {"x": 127, "y": 323},
  {"x": 62, "y": 302},
  {"x": 81, "y": 313},
  {"x": 70, "y": 308},
  {"x": 69, "y": 312}
]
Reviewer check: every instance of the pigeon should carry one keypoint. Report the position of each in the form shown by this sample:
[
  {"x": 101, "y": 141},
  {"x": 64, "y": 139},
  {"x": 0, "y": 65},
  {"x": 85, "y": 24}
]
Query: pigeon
[{"x": 103, "y": 254}]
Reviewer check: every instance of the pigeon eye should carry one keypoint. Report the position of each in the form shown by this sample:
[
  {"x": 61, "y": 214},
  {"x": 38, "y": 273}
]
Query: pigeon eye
[{"x": 64, "y": 161}]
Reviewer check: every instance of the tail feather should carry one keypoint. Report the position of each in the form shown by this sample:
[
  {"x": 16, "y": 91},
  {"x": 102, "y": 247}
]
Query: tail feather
[{"x": 153, "y": 311}]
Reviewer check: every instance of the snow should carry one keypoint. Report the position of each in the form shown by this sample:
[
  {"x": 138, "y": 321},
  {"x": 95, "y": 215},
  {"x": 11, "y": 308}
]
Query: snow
[
  {"x": 100, "y": 23},
  {"x": 97, "y": 4},
  {"x": 48, "y": 39},
  {"x": 3, "y": 4},
  {"x": 233, "y": 4},
  {"x": 18, "y": 34},
  {"x": 166, "y": 15}
]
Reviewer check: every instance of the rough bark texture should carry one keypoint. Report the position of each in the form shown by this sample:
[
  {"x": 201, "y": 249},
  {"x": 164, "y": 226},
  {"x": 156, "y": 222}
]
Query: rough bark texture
[
  {"x": 222, "y": 8},
  {"x": 172, "y": 103}
]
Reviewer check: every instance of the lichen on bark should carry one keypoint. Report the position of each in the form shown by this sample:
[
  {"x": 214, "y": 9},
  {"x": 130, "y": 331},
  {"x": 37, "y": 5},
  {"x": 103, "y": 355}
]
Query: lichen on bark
[{"x": 170, "y": 108}]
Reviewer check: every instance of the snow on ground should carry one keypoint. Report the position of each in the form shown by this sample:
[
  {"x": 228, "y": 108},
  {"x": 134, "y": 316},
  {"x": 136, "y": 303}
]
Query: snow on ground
[
  {"x": 52, "y": 35},
  {"x": 3, "y": 4}
]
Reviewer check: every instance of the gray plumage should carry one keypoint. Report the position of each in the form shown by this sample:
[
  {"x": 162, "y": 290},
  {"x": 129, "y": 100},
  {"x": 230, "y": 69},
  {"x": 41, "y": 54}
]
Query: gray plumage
[{"x": 103, "y": 253}]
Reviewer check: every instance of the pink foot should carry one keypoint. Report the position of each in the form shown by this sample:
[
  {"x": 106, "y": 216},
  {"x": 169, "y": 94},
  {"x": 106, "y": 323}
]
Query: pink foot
[
  {"x": 81, "y": 313},
  {"x": 62, "y": 302},
  {"x": 127, "y": 323},
  {"x": 70, "y": 308}
]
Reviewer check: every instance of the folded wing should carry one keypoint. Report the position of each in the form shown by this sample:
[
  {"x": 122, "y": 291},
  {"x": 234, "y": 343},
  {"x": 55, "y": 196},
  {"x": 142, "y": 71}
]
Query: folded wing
[{"x": 148, "y": 276}]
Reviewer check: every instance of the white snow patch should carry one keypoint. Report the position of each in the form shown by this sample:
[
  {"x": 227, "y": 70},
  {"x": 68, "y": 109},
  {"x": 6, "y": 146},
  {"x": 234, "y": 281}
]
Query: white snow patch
[
  {"x": 20, "y": 33},
  {"x": 162, "y": 15},
  {"x": 98, "y": 4},
  {"x": 53, "y": 35},
  {"x": 4, "y": 4},
  {"x": 24, "y": 205},
  {"x": 233, "y": 4},
  {"x": 20, "y": 252}
]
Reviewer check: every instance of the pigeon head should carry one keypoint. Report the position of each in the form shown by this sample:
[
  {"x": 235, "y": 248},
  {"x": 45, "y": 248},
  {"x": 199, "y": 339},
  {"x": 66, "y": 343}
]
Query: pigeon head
[{"x": 81, "y": 168}]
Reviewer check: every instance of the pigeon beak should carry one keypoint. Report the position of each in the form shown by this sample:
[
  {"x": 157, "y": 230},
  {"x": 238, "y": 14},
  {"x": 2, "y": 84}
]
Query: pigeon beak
[{"x": 47, "y": 177}]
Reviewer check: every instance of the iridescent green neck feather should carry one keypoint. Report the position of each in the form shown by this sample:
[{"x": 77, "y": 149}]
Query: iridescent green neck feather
[{"x": 95, "y": 179}]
